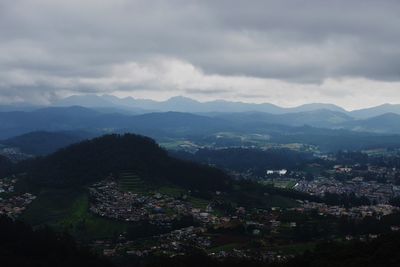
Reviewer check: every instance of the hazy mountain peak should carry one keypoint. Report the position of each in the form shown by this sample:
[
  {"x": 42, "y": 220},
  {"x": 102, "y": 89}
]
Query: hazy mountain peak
[
  {"x": 187, "y": 104},
  {"x": 85, "y": 101},
  {"x": 376, "y": 111},
  {"x": 181, "y": 99},
  {"x": 319, "y": 106}
]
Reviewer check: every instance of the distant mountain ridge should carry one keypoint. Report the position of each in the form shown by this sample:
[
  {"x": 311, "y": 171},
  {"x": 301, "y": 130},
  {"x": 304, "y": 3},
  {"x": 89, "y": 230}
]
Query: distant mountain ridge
[
  {"x": 183, "y": 124},
  {"x": 321, "y": 118},
  {"x": 56, "y": 119},
  {"x": 185, "y": 104},
  {"x": 376, "y": 111},
  {"x": 385, "y": 123},
  {"x": 42, "y": 142},
  {"x": 311, "y": 127}
]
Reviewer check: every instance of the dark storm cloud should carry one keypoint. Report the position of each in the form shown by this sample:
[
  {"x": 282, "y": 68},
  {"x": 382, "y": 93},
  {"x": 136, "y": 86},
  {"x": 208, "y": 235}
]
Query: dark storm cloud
[{"x": 81, "y": 46}]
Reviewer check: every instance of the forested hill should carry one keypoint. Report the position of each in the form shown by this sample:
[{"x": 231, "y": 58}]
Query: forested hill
[
  {"x": 43, "y": 143},
  {"x": 6, "y": 166},
  {"x": 243, "y": 159},
  {"x": 22, "y": 246},
  {"x": 95, "y": 159}
]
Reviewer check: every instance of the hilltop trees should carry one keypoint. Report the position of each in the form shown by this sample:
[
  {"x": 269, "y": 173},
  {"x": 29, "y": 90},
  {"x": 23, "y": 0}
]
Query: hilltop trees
[
  {"x": 95, "y": 159},
  {"x": 21, "y": 246}
]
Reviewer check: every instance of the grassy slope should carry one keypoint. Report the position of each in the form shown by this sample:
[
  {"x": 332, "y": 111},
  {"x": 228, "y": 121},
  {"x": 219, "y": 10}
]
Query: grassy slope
[{"x": 69, "y": 210}]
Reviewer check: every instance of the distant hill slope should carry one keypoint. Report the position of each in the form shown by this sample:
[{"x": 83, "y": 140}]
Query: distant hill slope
[
  {"x": 375, "y": 111},
  {"x": 84, "y": 119},
  {"x": 318, "y": 118},
  {"x": 6, "y": 166},
  {"x": 185, "y": 104},
  {"x": 244, "y": 159},
  {"x": 386, "y": 123},
  {"x": 95, "y": 159},
  {"x": 48, "y": 119},
  {"x": 107, "y": 104},
  {"x": 180, "y": 124},
  {"x": 321, "y": 127},
  {"x": 316, "y": 106},
  {"x": 130, "y": 105},
  {"x": 42, "y": 142}
]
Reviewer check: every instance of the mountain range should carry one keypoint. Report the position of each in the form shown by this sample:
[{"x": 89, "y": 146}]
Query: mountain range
[
  {"x": 184, "y": 104},
  {"x": 77, "y": 117},
  {"x": 183, "y": 119},
  {"x": 324, "y": 128}
]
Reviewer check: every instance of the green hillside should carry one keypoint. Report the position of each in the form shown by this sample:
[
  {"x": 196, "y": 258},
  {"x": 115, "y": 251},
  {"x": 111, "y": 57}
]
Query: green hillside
[
  {"x": 90, "y": 161},
  {"x": 131, "y": 182}
]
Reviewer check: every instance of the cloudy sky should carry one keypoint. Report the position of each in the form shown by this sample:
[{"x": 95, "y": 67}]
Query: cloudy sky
[{"x": 286, "y": 52}]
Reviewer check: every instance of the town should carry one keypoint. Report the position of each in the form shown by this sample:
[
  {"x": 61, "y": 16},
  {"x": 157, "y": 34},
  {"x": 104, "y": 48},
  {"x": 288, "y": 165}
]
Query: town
[
  {"x": 209, "y": 224},
  {"x": 13, "y": 204},
  {"x": 341, "y": 180}
]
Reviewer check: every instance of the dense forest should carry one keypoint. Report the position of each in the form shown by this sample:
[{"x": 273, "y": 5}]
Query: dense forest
[
  {"x": 22, "y": 246},
  {"x": 6, "y": 166},
  {"x": 95, "y": 159},
  {"x": 243, "y": 159}
]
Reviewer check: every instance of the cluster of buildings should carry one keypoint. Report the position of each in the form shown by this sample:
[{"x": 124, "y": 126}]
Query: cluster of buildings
[
  {"x": 7, "y": 185},
  {"x": 14, "y": 154},
  {"x": 175, "y": 243},
  {"x": 172, "y": 244},
  {"x": 279, "y": 172},
  {"x": 253, "y": 254},
  {"x": 12, "y": 204},
  {"x": 374, "y": 191},
  {"x": 182, "y": 241},
  {"x": 107, "y": 200},
  {"x": 360, "y": 212},
  {"x": 15, "y": 205}
]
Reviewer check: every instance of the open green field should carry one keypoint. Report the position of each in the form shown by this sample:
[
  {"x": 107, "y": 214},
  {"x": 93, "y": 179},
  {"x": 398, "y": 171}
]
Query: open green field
[
  {"x": 262, "y": 202},
  {"x": 69, "y": 210},
  {"x": 295, "y": 249},
  {"x": 288, "y": 184},
  {"x": 226, "y": 247},
  {"x": 284, "y": 184},
  {"x": 180, "y": 145},
  {"x": 198, "y": 202},
  {"x": 174, "y": 191}
]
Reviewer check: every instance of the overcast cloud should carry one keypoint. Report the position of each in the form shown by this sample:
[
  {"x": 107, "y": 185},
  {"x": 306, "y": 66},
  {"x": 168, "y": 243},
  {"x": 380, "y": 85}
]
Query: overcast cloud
[{"x": 283, "y": 52}]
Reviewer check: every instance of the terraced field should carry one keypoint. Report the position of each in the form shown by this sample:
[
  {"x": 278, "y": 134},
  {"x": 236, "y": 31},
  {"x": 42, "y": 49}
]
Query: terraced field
[
  {"x": 131, "y": 182},
  {"x": 198, "y": 202}
]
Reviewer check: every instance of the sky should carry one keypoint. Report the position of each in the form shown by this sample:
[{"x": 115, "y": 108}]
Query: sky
[{"x": 285, "y": 52}]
